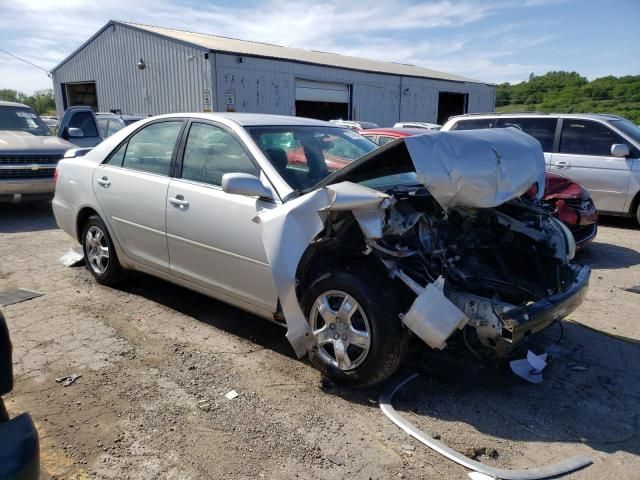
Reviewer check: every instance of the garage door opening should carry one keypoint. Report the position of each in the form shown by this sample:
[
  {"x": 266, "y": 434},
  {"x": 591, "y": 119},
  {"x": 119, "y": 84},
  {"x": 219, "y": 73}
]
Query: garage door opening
[
  {"x": 322, "y": 100},
  {"x": 81, "y": 94},
  {"x": 450, "y": 104}
]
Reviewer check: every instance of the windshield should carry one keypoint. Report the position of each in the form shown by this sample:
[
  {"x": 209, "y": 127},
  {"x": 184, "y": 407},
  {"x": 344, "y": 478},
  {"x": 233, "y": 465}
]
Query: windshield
[
  {"x": 305, "y": 155},
  {"x": 627, "y": 127},
  {"x": 21, "y": 119}
]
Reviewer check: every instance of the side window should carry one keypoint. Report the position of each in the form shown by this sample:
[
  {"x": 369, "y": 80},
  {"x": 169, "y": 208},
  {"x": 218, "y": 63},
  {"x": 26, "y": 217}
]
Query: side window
[
  {"x": 151, "y": 148},
  {"x": 542, "y": 129},
  {"x": 114, "y": 126},
  {"x": 117, "y": 157},
  {"x": 103, "y": 125},
  {"x": 210, "y": 152},
  {"x": 384, "y": 140},
  {"x": 84, "y": 121},
  {"x": 585, "y": 137},
  {"x": 474, "y": 124}
]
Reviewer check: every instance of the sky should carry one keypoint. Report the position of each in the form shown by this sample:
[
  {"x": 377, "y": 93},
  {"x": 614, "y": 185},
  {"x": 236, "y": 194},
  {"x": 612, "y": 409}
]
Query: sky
[{"x": 493, "y": 41}]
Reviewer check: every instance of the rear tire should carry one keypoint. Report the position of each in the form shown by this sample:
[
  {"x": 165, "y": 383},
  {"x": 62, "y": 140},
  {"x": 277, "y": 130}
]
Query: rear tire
[
  {"x": 99, "y": 254},
  {"x": 354, "y": 315}
]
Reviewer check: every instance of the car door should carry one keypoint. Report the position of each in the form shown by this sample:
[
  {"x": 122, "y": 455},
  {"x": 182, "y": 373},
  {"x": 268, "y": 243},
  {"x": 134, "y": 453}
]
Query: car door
[
  {"x": 80, "y": 127},
  {"x": 584, "y": 155},
  {"x": 131, "y": 188},
  {"x": 212, "y": 238}
]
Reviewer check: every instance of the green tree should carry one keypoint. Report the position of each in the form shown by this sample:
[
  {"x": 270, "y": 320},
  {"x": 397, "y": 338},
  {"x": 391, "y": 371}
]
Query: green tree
[
  {"x": 565, "y": 92},
  {"x": 42, "y": 101}
]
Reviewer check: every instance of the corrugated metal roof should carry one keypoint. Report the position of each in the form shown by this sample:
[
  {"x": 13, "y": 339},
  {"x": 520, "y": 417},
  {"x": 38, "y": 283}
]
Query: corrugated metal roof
[{"x": 244, "y": 47}]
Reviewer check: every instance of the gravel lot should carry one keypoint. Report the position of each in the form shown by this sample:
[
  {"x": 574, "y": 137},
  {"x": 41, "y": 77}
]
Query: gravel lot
[{"x": 157, "y": 359}]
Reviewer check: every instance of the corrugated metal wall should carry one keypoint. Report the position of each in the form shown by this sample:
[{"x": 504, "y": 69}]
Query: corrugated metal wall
[
  {"x": 177, "y": 74},
  {"x": 267, "y": 86},
  {"x": 173, "y": 80}
]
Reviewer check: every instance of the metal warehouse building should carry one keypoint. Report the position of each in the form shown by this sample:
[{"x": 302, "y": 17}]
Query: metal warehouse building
[{"x": 139, "y": 69}]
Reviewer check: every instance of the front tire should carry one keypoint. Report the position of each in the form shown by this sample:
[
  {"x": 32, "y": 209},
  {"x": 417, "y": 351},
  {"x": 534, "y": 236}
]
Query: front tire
[
  {"x": 360, "y": 339},
  {"x": 99, "y": 253}
]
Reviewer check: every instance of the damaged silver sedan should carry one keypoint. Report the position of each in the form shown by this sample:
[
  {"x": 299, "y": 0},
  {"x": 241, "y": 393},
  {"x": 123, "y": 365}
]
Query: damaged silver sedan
[{"x": 353, "y": 250}]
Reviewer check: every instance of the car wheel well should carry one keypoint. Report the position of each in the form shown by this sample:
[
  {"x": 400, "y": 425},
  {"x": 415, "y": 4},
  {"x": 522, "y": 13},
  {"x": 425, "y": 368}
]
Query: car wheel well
[
  {"x": 634, "y": 205},
  {"x": 83, "y": 216},
  {"x": 325, "y": 257}
]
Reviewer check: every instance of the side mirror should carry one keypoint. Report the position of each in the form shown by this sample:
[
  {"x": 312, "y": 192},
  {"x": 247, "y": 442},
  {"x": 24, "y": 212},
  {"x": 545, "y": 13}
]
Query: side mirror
[
  {"x": 620, "y": 150},
  {"x": 245, "y": 184},
  {"x": 74, "y": 132}
]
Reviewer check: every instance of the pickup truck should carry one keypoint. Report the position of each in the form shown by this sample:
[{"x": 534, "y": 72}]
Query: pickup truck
[{"x": 29, "y": 153}]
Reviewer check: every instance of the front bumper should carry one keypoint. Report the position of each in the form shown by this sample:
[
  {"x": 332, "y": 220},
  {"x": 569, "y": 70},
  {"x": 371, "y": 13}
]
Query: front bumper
[
  {"x": 521, "y": 322},
  {"x": 19, "y": 449},
  {"x": 19, "y": 189},
  {"x": 584, "y": 235}
]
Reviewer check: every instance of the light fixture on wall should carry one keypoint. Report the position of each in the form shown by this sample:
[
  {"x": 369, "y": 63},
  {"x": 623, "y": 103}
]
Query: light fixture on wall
[{"x": 141, "y": 65}]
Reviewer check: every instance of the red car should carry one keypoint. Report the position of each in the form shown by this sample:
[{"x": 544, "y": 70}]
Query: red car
[{"x": 574, "y": 205}]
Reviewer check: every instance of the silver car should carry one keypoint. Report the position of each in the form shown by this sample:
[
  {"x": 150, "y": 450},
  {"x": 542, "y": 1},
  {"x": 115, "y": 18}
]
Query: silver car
[
  {"x": 600, "y": 152},
  {"x": 352, "y": 250}
]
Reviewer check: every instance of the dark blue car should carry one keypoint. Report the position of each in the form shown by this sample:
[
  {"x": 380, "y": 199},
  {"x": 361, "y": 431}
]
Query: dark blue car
[{"x": 19, "y": 446}]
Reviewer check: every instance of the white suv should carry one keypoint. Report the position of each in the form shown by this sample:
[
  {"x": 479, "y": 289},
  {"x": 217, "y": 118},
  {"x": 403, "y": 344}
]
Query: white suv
[{"x": 600, "y": 152}]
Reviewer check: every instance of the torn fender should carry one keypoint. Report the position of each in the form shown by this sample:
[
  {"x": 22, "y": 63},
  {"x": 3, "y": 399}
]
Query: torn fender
[{"x": 288, "y": 230}]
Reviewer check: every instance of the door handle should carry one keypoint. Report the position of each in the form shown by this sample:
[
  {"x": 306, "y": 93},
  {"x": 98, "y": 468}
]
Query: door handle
[
  {"x": 104, "y": 182},
  {"x": 179, "y": 202},
  {"x": 562, "y": 164}
]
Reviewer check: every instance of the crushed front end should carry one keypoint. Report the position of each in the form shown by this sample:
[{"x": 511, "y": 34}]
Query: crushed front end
[{"x": 507, "y": 270}]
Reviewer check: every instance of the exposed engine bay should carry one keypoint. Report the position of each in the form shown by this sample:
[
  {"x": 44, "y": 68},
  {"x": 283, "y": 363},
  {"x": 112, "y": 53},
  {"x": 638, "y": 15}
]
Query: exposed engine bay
[{"x": 486, "y": 261}]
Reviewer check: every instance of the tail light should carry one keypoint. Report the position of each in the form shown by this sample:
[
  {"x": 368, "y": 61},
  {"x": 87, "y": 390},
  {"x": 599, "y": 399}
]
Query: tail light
[{"x": 55, "y": 175}]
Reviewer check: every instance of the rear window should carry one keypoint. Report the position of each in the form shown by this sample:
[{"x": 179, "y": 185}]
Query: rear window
[
  {"x": 474, "y": 124},
  {"x": 542, "y": 129}
]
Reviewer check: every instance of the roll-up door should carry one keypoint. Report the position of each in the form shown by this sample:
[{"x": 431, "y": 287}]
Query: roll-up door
[{"x": 322, "y": 100}]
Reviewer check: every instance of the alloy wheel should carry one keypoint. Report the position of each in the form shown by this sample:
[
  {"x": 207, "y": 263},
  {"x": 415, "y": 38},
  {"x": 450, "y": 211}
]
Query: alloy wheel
[
  {"x": 97, "y": 250},
  {"x": 341, "y": 330}
]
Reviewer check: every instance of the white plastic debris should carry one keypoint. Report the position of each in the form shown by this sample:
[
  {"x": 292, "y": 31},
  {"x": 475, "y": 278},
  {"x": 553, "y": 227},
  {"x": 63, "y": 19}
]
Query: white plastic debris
[
  {"x": 480, "y": 476},
  {"x": 73, "y": 258},
  {"x": 433, "y": 317},
  {"x": 69, "y": 379},
  {"x": 530, "y": 368},
  {"x": 231, "y": 394}
]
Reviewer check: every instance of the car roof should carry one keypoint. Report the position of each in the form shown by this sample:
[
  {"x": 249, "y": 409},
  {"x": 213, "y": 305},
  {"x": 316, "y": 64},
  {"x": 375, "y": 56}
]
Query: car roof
[
  {"x": 593, "y": 116},
  {"x": 4, "y": 103},
  {"x": 254, "y": 119},
  {"x": 395, "y": 132}
]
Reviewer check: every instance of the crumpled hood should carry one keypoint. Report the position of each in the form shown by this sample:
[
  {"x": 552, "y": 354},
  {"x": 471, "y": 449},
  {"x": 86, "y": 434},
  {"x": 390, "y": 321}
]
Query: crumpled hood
[
  {"x": 21, "y": 143},
  {"x": 472, "y": 168}
]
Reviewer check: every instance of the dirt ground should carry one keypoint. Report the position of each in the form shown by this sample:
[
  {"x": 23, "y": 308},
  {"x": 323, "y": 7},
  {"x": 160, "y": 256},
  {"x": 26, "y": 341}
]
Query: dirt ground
[{"x": 156, "y": 361}]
